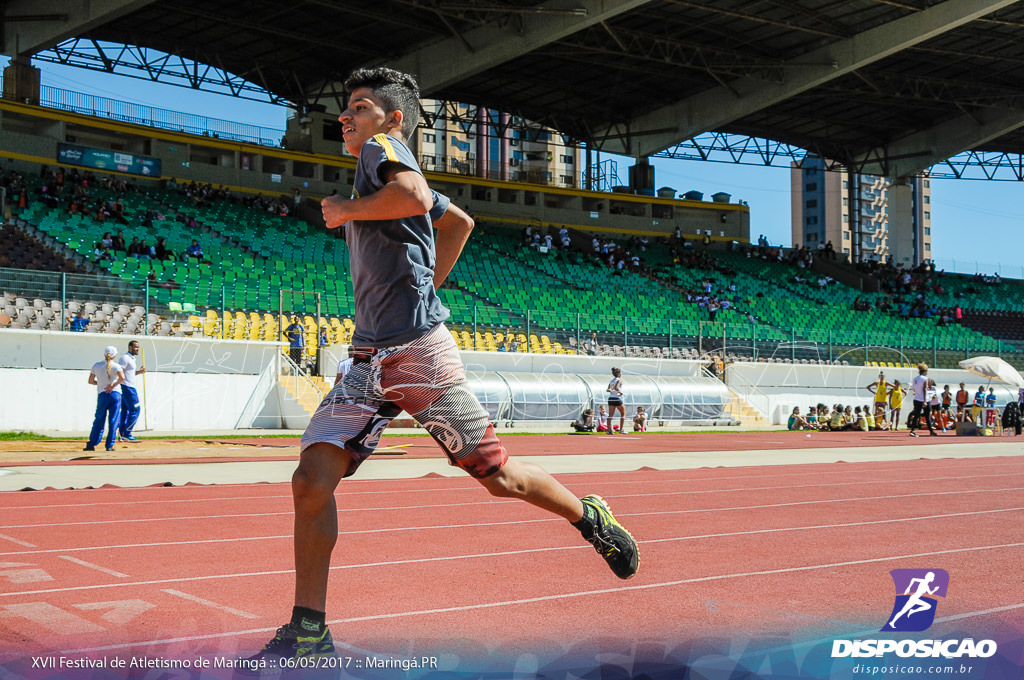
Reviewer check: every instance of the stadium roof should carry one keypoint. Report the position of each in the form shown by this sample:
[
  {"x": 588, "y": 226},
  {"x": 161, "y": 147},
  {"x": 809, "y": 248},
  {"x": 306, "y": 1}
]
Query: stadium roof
[{"x": 888, "y": 86}]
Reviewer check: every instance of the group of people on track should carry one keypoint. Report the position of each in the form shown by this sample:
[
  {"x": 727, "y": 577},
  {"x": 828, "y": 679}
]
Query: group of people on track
[{"x": 931, "y": 409}]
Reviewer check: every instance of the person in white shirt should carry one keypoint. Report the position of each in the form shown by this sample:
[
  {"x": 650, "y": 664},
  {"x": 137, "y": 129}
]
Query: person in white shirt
[
  {"x": 129, "y": 393},
  {"x": 344, "y": 366},
  {"x": 616, "y": 402},
  {"x": 107, "y": 376},
  {"x": 922, "y": 409}
]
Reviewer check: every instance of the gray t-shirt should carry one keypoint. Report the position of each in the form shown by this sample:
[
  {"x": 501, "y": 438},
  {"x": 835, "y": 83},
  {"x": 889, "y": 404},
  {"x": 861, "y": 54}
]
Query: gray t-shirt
[{"x": 392, "y": 261}]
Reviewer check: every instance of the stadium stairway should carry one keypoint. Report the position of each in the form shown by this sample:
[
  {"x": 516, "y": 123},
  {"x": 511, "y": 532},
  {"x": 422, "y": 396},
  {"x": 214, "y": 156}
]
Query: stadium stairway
[
  {"x": 740, "y": 411},
  {"x": 300, "y": 398}
]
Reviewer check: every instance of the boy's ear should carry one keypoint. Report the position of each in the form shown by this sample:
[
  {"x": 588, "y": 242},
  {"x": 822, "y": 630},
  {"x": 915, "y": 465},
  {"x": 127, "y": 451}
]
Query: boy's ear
[{"x": 395, "y": 119}]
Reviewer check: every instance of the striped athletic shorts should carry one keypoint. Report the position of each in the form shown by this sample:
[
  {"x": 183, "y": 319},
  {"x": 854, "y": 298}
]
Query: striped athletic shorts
[{"x": 426, "y": 378}]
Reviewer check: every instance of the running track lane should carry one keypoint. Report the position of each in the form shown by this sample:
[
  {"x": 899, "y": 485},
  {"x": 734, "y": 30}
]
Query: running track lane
[{"x": 437, "y": 564}]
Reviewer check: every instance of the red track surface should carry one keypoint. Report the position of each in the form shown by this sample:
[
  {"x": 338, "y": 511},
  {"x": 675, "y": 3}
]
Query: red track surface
[
  {"x": 437, "y": 566},
  {"x": 399, "y": 446},
  {"x": 648, "y": 442}
]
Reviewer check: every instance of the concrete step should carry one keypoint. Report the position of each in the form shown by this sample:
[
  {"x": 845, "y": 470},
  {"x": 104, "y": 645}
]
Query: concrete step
[{"x": 307, "y": 397}]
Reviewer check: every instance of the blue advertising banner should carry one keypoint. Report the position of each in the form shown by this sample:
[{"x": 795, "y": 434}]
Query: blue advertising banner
[{"x": 98, "y": 159}]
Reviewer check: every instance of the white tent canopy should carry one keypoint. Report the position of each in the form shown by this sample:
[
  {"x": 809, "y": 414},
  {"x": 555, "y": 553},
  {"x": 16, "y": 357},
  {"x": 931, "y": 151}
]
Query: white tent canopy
[{"x": 993, "y": 368}]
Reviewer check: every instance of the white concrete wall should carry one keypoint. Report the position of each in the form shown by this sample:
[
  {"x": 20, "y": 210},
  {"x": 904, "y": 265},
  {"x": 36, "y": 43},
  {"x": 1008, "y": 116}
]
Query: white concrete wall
[
  {"x": 780, "y": 387},
  {"x": 189, "y": 384},
  {"x": 46, "y": 399},
  {"x": 46, "y": 349},
  {"x": 539, "y": 364},
  {"x": 203, "y": 384}
]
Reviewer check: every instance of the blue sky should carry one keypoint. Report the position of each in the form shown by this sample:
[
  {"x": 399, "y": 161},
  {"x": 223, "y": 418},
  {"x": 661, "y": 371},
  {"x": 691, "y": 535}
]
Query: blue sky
[{"x": 976, "y": 225}]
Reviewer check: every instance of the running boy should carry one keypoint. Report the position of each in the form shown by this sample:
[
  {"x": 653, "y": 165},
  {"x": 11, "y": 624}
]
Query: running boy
[{"x": 405, "y": 358}]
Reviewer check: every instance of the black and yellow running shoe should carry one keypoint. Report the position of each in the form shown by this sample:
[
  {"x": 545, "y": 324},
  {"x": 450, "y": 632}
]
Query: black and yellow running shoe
[
  {"x": 609, "y": 538},
  {"x": 292, "y": 648}
]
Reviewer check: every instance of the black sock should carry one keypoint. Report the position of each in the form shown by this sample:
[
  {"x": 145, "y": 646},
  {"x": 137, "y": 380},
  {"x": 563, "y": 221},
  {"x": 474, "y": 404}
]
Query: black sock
[
  {"x": 586, "y": 523},
  {"x": 309, "y": 619}
]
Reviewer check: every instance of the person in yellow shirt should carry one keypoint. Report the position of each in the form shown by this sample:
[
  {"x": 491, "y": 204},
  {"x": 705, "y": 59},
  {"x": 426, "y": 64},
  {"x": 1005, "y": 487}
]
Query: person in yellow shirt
[
  {"x": 868, "y": 420},
  {"x": 837, "y": 421},
  {"x": 881, "y": 389},
  {"x": 896, "y": 395}
]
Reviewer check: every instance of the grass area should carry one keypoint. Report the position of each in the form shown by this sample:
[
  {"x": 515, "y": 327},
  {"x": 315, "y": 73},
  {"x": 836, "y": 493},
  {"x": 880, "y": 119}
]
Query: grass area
[{"x": 26, "y": 436}]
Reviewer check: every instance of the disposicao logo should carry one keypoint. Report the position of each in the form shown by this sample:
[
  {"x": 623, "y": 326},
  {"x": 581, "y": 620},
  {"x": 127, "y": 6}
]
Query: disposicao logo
[{"x": 917, "y": 593}]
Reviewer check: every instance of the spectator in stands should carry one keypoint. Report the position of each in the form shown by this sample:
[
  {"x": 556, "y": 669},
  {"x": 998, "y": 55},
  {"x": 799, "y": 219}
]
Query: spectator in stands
[
  {"x": 195, "y": 250},
  {"x": 118, "y": 242},
  {"x": 134, "y": 249},
  {"x": 295, "y": 334},
  {"x": 161, "y": 251},
  {"x": 146, "y": 252},
  {"x": 79, "y": 323},
  {"x": 585, "y": 423},
  {"x": 323, "y": 340},
  {"x": 590, "y": 344},
  {"x": 102, "y": 252},
  {"x": 640, "y": 420}
]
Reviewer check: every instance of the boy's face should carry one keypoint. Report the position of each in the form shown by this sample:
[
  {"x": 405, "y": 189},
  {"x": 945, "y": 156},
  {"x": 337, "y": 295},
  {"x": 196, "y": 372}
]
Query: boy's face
[{"x": 363, "y": 118}]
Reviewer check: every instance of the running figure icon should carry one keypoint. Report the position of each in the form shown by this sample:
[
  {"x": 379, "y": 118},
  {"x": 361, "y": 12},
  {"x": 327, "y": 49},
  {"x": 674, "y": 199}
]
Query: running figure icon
[{"x": 916, "y": 603}]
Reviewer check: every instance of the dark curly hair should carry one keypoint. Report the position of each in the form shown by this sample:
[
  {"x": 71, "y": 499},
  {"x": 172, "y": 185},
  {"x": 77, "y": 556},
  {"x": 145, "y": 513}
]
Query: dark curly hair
[{"x": 398, "y": 91}]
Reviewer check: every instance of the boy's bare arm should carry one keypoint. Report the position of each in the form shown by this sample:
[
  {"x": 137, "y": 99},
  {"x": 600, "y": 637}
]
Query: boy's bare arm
[
  {"x": 453, "y": 229},
  {"x": 405, "y": 194}
]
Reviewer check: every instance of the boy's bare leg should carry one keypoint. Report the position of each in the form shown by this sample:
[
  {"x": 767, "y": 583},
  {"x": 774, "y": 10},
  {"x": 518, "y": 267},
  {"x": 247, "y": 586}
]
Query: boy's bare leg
[
  {"x": 590, "y": 514},
  {"x": 321, "y": 467},
  {"x": 533, "y": 484}
]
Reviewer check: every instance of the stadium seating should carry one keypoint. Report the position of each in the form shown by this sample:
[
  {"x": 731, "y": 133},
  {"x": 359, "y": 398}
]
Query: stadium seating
[{"x": 256, "y": 262}]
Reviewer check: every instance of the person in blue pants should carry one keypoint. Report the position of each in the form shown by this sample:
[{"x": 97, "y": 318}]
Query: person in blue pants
[
  {"x": 129, "y": 394},
  {"x": 107, "y": 376}
]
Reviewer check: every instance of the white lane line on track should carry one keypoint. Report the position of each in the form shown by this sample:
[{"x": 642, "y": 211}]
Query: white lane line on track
[
  {"x": 506, "y": 553},
  {"x": 565, "y": 596},
  {"x": 618, "y": 481},
  {"x": 485, "y": 524},
  {"x": 492, "y": 502},
  {"x": 208, "y": 603},
  {"x": 17, "y": 542},
  {"x": 91, "y": 565}
]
